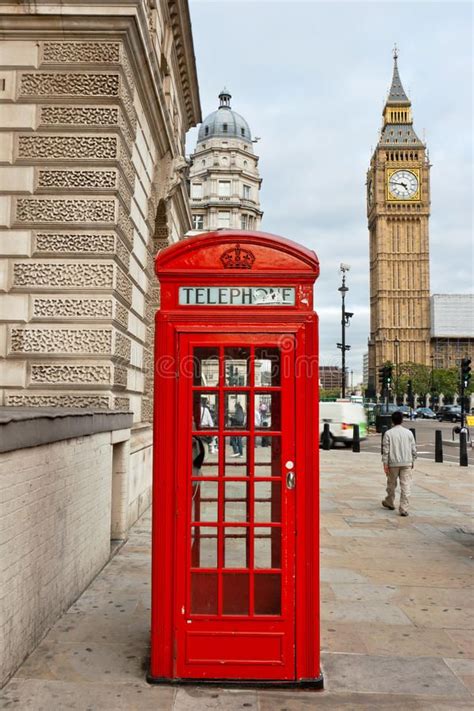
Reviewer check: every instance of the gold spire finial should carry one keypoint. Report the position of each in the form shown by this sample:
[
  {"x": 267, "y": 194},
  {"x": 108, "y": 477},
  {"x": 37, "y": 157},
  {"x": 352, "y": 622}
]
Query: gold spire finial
[{"x": 395, "y": 51}]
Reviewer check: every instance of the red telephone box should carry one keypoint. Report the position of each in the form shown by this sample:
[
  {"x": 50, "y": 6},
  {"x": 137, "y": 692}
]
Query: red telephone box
[{"x": 235, "y": 594}]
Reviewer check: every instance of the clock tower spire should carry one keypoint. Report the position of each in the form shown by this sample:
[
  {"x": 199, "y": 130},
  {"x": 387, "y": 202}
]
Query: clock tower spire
[{"x": 398, "y": 204}]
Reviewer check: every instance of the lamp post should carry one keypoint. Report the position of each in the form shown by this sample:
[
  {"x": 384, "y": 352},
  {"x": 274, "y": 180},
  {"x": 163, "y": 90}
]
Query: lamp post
[
  {"x": 432, "y": 381},
  {"x": 396, "y": 343},
  {"x": 345, "y": 316}
]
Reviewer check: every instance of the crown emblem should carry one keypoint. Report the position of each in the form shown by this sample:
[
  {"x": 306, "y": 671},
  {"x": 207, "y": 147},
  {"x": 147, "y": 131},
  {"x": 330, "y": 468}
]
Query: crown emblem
[{"x": 237, "y": 258}]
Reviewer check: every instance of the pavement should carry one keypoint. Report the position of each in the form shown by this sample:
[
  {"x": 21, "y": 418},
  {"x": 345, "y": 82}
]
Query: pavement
[{"x": 397, "y": 611}]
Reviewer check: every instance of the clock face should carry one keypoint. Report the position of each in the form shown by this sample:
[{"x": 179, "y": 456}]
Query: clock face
[{"x": 403, "y": 184}]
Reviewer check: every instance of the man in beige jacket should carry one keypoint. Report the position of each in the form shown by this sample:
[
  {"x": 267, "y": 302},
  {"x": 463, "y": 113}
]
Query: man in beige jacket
[{"x": 398, "y": 456}]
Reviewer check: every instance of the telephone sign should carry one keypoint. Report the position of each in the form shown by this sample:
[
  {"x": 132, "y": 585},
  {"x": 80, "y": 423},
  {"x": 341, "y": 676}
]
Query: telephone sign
[{"x": 236, "y": 296}]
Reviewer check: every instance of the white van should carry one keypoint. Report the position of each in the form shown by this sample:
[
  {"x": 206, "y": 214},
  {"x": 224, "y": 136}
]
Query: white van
[{"x": 341, "y": 416}]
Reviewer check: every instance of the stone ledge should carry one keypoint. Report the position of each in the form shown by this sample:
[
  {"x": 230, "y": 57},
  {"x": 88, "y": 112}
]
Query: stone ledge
[{"x": 22, "y": 427}]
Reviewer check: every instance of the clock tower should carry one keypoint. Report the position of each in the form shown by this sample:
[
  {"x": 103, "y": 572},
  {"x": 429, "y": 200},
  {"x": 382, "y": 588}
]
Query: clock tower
[{"x": 398, "y": 208}]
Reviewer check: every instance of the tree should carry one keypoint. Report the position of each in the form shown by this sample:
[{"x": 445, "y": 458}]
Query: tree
[
  {"x": 446, "y": 381},
  {"x": 420, "y": 376},
  {"x": 329, "y": 393}
]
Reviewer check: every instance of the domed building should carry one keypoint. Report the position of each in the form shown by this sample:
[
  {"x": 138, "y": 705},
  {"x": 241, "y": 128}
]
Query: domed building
[{"x": 224, "y": 177}]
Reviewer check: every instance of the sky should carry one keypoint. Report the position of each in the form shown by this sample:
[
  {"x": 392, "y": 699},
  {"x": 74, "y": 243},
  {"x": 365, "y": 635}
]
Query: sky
[{"x": 311, "y": 79}]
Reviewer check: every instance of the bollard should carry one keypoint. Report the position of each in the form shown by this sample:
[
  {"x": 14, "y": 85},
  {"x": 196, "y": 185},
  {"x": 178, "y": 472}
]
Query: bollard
[
  {"x": 438, "y": 446},
  {"x": 413, "y": 431},
  {"x": 326, "y": 439},
  {"x": 384, "y": 429},
  {"x": 356, "y": 439},
  {"x": 463, "y": 449}
]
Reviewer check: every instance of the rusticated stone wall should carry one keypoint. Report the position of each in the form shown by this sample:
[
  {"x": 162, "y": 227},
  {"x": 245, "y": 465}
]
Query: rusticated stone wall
[{"x": 91, "y": 154}]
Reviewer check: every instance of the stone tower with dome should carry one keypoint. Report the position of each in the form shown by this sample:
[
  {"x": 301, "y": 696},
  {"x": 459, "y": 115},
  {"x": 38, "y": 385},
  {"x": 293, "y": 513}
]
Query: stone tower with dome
[{"x": 224, "y": 177}]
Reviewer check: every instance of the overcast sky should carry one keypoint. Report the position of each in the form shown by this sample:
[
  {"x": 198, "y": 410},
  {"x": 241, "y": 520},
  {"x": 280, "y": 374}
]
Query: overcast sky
[{"x": 311, "y": 79}]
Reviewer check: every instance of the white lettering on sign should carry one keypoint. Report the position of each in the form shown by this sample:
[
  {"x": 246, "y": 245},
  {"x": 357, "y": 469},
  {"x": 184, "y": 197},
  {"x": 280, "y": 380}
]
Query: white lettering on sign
[{"x": 237, "y": 295}]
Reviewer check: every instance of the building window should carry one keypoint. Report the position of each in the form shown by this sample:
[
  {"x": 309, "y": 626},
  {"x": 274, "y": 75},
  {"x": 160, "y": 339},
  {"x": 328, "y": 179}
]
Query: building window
[
  {"x": 223, "y": 219},
  {"x": 224, "y": 188},
  {"x": 196, "y": 191},
  {"x": 206, "y": 130},
  {"x": 203, "y": 163},
  {"x": 243, "y": 222},
  {"x": 246, "y": 192},
  {"x": 242, "y": 131},
  {"x": 198, "y": 222},
  {"x": 224, "y": 127}
]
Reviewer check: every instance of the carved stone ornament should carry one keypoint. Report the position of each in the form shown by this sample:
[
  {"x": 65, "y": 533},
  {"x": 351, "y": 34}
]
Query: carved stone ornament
[
  {"x": 68, "y": 147},
  {"x": 237, "y": 258},
  {"x": 81, "y": 52},
  {"x": 56, "y": 308},
  {"x": 66, "y": 210},
  {"x": 62, "y": 340},
  {"x": 101, "y": 402},
  {"x": 60, "y": 373},
  {"x": 61, "y": 276}
]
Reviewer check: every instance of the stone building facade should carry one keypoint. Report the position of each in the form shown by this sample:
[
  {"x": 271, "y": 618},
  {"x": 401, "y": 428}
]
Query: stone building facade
[
  {"x": 224, "y": 176},
  {"x": 95, "y": 101},
  {"x": 398, "y": 209}
]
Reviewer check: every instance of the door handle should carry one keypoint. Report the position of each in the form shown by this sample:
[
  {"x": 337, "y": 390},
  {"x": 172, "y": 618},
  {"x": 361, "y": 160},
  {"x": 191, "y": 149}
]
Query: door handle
[{"x": 290, "y": 480}]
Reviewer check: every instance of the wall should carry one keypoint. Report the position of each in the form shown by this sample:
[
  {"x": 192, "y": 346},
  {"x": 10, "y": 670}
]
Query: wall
[
  {"x": 55, "y": 523},
  {"x": 93, "y": 113}
]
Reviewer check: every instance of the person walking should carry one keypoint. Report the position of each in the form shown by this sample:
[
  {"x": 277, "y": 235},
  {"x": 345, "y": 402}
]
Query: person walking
[{"x": 398, "y": 457}]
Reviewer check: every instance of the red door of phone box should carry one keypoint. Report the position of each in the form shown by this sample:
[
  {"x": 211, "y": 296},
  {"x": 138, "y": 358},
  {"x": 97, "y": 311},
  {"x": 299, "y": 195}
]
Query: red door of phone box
[{"x": 235, "y": 550}]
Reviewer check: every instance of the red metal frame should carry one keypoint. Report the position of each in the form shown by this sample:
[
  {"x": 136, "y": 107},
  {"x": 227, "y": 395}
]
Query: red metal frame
[{"x": 179, "y": 642}]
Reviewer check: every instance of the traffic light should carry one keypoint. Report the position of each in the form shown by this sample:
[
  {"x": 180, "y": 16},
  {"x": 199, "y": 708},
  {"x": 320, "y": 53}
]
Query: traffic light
[
  {"x": 382, "y": 376},
  {"x": 465, "y": 372},
  {"x": 385, "y": 376}
]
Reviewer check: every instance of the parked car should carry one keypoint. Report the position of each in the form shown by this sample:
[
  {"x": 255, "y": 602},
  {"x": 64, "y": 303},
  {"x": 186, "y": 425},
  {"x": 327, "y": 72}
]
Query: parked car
[
  {"x": 451, "y": 413},
  {"x": 341, "y": 417},
  {"x": 425, "y": 413},
  {"x": 405, "y": 410}
]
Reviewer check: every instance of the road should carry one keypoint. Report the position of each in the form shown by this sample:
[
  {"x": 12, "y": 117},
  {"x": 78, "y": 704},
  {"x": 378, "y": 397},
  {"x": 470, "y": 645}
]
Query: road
[{"x": 425, "y": 439}]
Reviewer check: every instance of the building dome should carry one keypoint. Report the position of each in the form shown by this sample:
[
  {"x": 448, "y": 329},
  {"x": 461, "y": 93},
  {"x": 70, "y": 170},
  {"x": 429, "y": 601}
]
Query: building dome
[{"x": 224, "y": 123}]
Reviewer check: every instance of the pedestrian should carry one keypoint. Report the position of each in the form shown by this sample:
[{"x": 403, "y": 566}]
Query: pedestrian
[
  {"x": 207, "y": 421},
  {"x": 398, "y": 457},
  {"x": 237, "y": 420}
]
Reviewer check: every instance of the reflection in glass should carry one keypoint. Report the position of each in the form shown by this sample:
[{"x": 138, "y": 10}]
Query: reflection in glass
[
  {"x": 236, "y": 507},
  {"x": 205, "y": 412},
  {"x": 204, "y": 593},
  {"x": 267, "y": 506},
  {"x": 203, "y": 547},
  {"x": 236, "y": 366},
  {"x": 267, "y": 456},
  {"x": 236, "y": 547},
  {"x": 267, "y": 594},
  {"x": 235, "y": 594},
  {"x": 267, "y": 547},
  {"x": 204, "y": 504},
  {"x": 267, "y": 367},
  {"x": 267, "y": 411},
  {"x": 206, "y": 367},
  {"x": 235, "y": 411},
  {"x": 236, "y": 456}
]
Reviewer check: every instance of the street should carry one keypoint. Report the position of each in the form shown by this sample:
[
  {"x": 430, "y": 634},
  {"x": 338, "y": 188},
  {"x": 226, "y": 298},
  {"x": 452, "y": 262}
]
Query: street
[{"x": 425, "y": 439}]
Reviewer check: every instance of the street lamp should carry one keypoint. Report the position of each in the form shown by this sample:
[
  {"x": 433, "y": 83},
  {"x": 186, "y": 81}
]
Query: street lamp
[
  {"x": 345, "y": 316},
  {"x": 396, "y": 343}
]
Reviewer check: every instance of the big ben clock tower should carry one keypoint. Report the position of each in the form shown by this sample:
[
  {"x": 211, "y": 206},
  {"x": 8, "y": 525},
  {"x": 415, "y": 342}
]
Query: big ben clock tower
[{"x": 398, "y": 208}]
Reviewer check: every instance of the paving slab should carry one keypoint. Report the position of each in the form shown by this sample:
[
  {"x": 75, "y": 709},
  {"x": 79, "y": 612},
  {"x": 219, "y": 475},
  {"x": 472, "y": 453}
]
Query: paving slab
[{"x": 396, "y": 612}]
